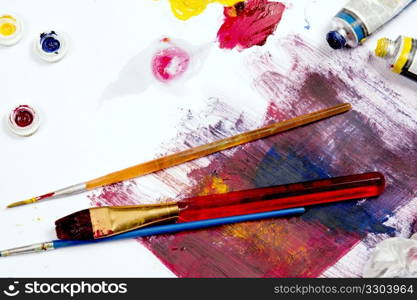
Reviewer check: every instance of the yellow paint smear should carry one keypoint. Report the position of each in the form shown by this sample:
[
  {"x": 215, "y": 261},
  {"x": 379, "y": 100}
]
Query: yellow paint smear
[
  {"x": 185, "y": 9},
  {"x": 214, "y": 185},
  {"x": 7, "y": 26}
]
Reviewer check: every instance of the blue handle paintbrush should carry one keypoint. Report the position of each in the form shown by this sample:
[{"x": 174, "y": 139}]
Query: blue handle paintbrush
[{"x": 153, "y": 230}]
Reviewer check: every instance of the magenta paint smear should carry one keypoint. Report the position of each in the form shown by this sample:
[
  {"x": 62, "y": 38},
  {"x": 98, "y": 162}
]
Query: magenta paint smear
[
  {"x": 118, "y": 194},
  {"x": 379, "y": 134},
  {"x": 249, "y": 23},
  {"x": 170, "y": 63}
]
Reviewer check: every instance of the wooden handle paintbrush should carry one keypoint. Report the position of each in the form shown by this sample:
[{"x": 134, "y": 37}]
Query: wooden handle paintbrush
[{"x": 193, "y": 153}]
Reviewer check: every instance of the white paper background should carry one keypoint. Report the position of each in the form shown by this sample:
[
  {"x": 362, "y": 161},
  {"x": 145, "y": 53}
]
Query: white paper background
[{"x": 81, "y": 139}]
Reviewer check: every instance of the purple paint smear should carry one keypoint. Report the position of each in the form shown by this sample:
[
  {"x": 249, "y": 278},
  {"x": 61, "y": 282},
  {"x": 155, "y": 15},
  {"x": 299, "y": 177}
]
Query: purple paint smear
[{"x": 379, "y": 134}]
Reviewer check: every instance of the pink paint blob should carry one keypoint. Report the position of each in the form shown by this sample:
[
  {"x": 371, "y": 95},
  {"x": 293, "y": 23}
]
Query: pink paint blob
[
  {"x": 170, "y": 63},
  {"x": 249, "y": 23}
]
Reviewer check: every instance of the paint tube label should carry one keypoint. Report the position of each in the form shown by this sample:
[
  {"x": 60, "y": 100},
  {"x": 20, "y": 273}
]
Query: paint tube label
[{"x": 375, "y": 13}]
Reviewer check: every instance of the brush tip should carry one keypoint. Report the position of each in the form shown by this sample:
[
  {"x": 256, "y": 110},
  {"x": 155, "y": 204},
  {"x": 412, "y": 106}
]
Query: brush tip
[
  {"x": 76, "y": 226},
  {"x": 20, "y": 203}
]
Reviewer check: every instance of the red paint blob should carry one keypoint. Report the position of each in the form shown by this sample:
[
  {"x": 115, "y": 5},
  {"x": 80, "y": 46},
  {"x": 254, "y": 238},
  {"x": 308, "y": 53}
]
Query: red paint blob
[
  {"x": 23, "y": 117},
  {"x": 170, "y": 63},
  {"x": 249, "y": 23}
]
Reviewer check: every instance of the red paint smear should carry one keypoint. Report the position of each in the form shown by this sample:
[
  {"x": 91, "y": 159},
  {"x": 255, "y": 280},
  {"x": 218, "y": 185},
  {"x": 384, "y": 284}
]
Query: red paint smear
[
  {"x": 260, "y": 253},
  {"x": 273, "y": 113},
  {"x": 286, "y": 247},
  {"x": 115, "y": 194},
  {"x": 170, "y": 63},
  {"x": 45, "y": 196},
  {"x": 249, "y": 23}
]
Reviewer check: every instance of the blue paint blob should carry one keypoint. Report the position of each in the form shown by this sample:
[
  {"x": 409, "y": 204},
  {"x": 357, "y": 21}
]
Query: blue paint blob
[
  {"x": 276, "y": 169},
  {"x": 50, "y": 45},
  {"x": 349, "y": 217},
  {"x": 49, "y": 42},
  {"x": 287, "y": 166}
]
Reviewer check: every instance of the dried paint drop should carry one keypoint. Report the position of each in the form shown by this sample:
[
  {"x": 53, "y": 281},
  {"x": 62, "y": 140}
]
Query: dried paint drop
[
  {"x": 170, "y": 63},
  {"x": 24, "y": 120},
  {"x": 51, "y": 46},
  {"x": 10, "y": 30}
]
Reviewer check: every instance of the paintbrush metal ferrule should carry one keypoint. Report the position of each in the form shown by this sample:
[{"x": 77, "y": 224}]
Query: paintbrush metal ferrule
[
  {"x": 70, "y": 190},
  {"x": 108, "y": 221},
  {"x": 41, "y": 247},
  {"x": 99, "y": 222}
]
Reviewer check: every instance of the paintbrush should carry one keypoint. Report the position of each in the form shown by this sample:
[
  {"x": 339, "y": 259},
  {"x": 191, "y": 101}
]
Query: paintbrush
[
  {"x": 99, "y": 222},
  {"x": 193, "y": 153},
  {"x": 153, "y": 230}
]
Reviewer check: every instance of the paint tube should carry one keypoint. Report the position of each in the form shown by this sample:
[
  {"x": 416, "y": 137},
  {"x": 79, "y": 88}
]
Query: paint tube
[
  {"x": 393, "y": 257},
  {"x": 360, "y": 18},
  {"x": 401, "y": 55}
]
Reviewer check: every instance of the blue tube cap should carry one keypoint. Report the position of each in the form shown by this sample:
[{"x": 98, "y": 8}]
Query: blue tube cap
[{"x": 336, "y": 40}]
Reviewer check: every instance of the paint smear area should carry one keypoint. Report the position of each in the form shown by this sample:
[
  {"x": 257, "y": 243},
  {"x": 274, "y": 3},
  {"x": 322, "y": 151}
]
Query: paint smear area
[
  {"x": 379, "y": 134},
  {"x": 185, "y": 9},
  {"x": 249, "y": 23}
]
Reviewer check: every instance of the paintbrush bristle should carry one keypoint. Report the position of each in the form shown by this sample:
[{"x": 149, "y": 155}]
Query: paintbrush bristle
[
  {"x": 23, "y": 202},
  {"x": 76, "y": 226}
]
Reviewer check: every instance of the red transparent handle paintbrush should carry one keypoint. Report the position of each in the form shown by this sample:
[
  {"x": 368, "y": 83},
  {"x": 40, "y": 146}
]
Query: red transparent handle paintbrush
[
  {"x": 99, "y": 222},
  {"x": 282, "y": 197}
]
